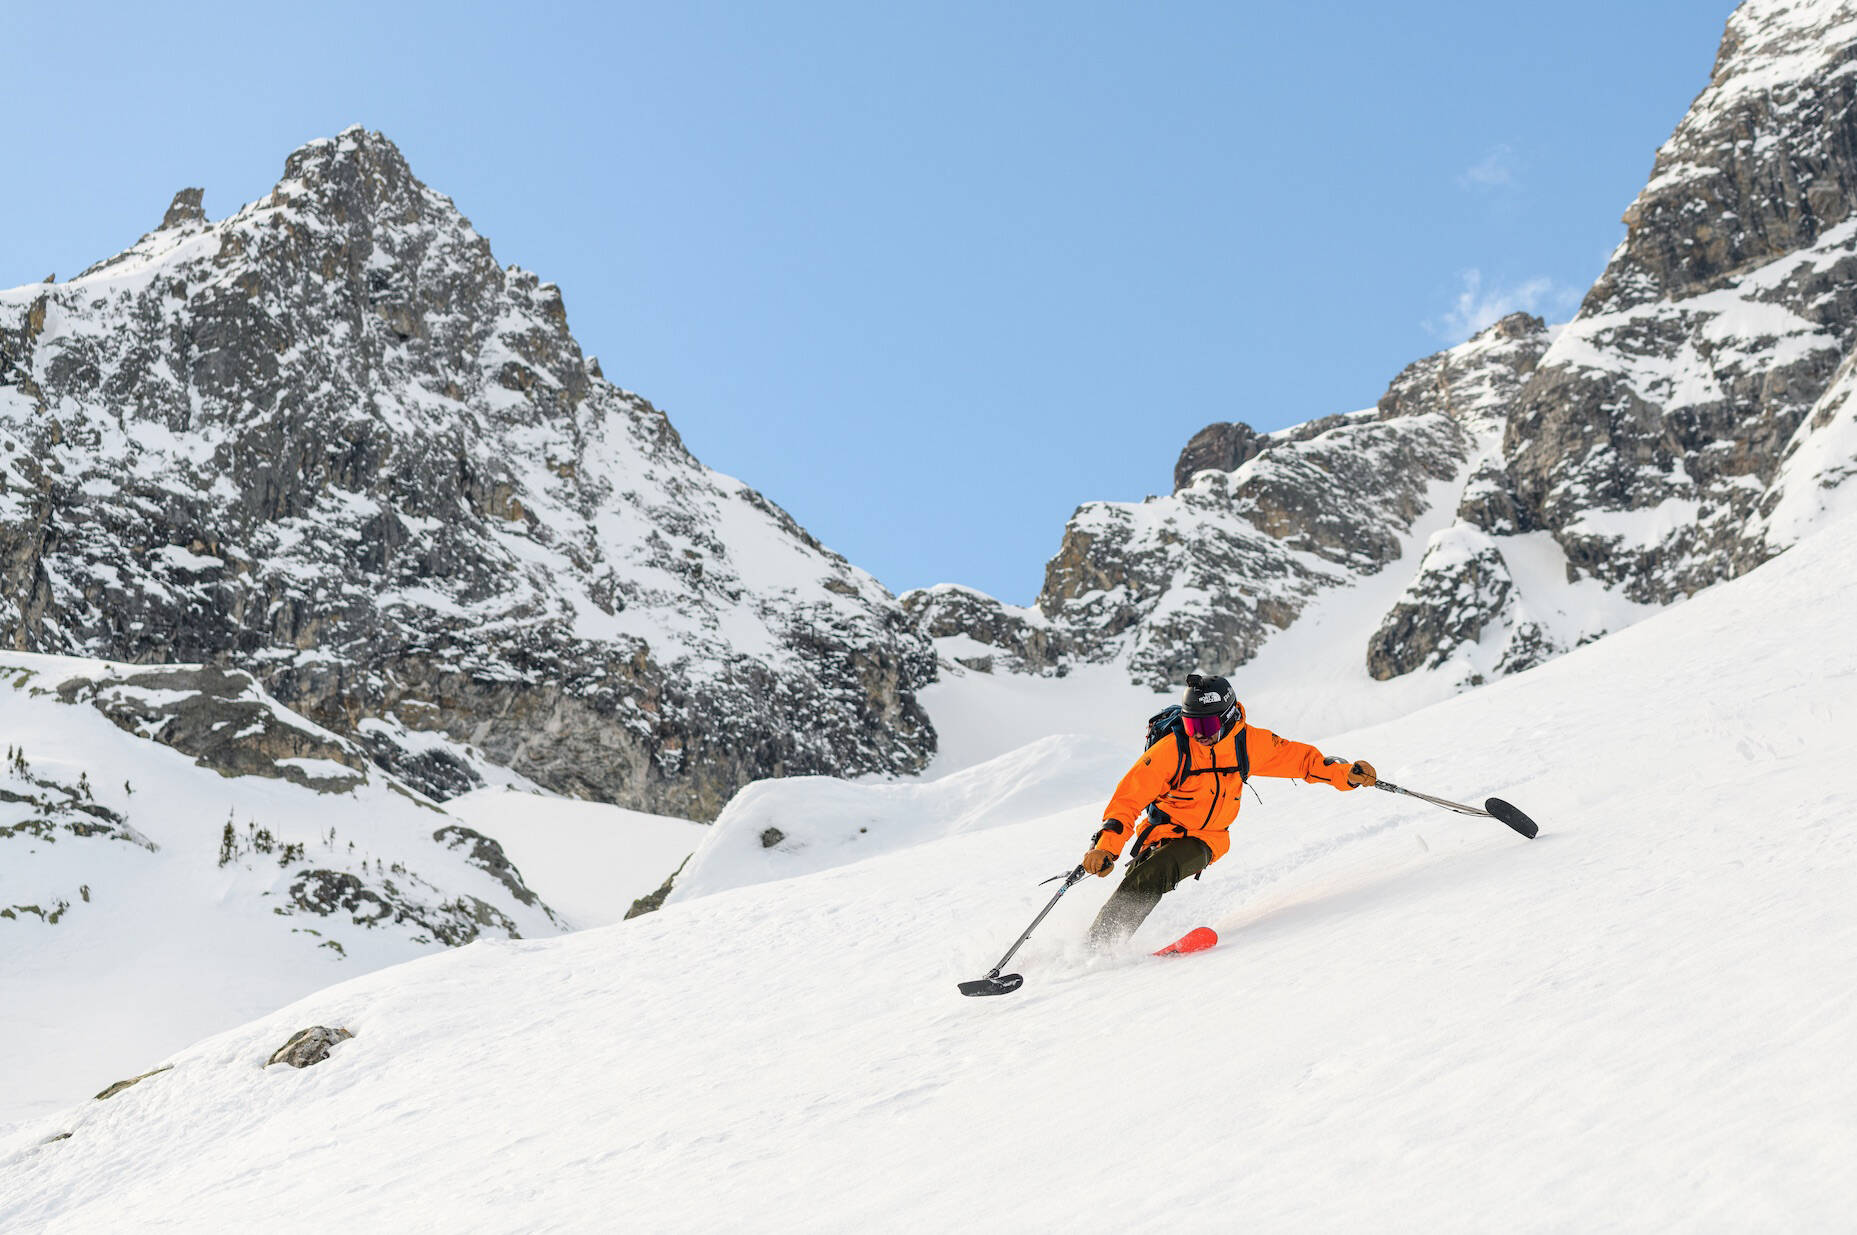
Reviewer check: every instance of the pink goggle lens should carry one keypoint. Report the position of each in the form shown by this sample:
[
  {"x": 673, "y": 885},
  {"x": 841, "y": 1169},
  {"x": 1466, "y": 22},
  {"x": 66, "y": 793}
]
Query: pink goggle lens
[{"x": 1202, "y": 726}]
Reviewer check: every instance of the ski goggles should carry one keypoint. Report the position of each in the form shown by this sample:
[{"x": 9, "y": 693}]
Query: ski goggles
[{"x": 1203, "y": 726}]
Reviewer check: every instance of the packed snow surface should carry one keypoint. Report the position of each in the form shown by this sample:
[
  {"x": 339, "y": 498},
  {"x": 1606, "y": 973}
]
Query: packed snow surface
[{"x": 1415, "y": 1020}]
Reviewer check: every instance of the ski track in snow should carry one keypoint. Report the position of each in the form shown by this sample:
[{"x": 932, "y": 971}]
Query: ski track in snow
[{"x": 1414, "y": 1021}]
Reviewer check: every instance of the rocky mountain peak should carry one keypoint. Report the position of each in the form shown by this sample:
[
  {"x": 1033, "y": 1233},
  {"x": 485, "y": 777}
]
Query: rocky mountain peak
[
  {"x": 359, "y": 180},
  {"x": 330, "y": 440}
]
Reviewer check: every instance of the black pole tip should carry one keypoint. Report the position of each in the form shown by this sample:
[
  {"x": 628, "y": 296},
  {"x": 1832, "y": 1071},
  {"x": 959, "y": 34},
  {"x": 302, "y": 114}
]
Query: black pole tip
[
  {"x": 1500, "y": 809},
  {"x": 1004, "y": 984}
]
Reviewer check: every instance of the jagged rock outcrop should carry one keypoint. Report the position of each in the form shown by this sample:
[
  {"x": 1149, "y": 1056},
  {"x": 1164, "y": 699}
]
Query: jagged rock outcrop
[
  {"x": 1205, "y": 576},
  {"x": 222, "y": 719},
  {"x": 331, "y": 441},
  {"x": 653, "y": 901},
  {"x": 980, "y": 633},
  {"x": 402, "y": 899},
  {"x": 1222, "y": 447},
  {"x": 44, "y": 810},
  {"x": 243, "y": 830}
]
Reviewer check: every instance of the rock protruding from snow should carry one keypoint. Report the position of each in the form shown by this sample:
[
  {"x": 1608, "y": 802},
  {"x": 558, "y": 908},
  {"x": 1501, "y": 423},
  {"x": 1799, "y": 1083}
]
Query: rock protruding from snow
[
  {"x": 332, "y": 441},
  {"x": 224, "y": 720},
  {"x": 308, "y": 1046},
  {"x": 487, "y": 856},
  {"x": 119, "y": 1086},
  {"x": 1224, "y": 447},
  {"x": 978, "y": 632},
  {"x": 1694, "y": 418}
]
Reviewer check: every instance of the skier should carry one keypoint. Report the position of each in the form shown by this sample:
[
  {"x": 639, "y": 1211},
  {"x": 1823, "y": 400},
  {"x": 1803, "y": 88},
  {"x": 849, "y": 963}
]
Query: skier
[{"x": 1191, "y": 791}]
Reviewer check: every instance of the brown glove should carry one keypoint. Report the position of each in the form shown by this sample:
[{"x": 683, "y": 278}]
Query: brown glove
[
  {"x": 1362, "y": 773},
  {"x": 1098, "y": 861}
]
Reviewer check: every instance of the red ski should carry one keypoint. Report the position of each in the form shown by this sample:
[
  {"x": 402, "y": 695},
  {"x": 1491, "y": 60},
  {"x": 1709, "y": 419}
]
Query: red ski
[{"x": 1196, "y": 940}]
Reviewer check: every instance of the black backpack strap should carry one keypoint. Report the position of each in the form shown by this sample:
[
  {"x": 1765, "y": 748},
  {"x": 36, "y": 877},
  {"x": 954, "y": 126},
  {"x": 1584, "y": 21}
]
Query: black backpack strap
[
  {"x": 1244, "y": 755},
  {"x": 1181, "y": 764}
]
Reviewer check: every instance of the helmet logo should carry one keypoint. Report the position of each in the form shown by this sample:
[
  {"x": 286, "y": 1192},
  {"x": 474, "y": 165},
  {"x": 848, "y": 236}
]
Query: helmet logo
[{"x": 1214, "y": 697}]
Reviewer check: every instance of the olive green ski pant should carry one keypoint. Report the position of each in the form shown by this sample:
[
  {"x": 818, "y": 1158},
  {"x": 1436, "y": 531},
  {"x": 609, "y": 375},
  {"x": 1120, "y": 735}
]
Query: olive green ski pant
[{"x": 1151, "y": 876}]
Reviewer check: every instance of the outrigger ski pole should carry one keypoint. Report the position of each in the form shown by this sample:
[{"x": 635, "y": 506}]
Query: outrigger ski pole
[
  {"x": 1494, "y": 808},
  {"x": 996, "y": 983}
]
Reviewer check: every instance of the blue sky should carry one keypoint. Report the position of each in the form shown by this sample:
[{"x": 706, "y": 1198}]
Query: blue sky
[{"x": 929, "y": 276}]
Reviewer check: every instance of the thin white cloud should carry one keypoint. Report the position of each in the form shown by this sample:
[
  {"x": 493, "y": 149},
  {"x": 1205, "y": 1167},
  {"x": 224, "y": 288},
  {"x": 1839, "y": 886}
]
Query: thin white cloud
[
  {"x": 1477, "y": 306},
  {"x": 1497, "y": 169}
]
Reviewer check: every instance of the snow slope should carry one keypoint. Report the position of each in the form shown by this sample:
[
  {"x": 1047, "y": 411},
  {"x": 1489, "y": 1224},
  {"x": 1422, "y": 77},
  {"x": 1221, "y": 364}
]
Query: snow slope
[
  {"x": 118, "y": 940},
  {"x": 587, "y": 860},
  {"x": 1416, "y": 1021}
]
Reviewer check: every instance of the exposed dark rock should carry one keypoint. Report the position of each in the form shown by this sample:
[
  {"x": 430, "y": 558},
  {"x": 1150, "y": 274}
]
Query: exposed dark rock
[
  {"x": 1448, "y": 606},
  {"x": 119, "y": 1086},
  {"x": 1241, "y": 554},
  {"x": 403, "y": 899},
  {"x": 184, "y": 209},
  {"x": 221, "y": 718},
  {"x": 1475, "y": 384},
  {"x": 488, "y": 856},
  {"x": 1026, "y": 643},
  {"x": 654, "y": 901},
  {"x": 43, "y": 812},
  {"x": 308, "y": 1046},
  {"x": 1221, "y": 447},
  {"x": 771, "y": 837},
  {"x": 1205, "y": 577}
]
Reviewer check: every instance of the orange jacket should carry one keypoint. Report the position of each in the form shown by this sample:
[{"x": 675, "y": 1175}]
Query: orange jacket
[{"x": 1209, "y": 790}]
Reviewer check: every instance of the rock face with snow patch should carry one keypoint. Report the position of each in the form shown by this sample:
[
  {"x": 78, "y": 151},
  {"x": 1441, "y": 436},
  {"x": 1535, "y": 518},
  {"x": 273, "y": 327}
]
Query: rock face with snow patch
[
  {"x": 1695, "y": 417},
  {"x": 1205, "y": 576},
  {"x": 224, "y": 720},
  {"x": 984, "y": 634},
  {"x": 331, "y": 441},
  {"x": 1650, "y": 438}
]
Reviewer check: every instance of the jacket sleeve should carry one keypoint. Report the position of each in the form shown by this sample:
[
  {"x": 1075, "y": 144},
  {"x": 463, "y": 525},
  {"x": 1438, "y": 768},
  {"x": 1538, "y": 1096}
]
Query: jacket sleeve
[
  {"x": 1146, "y": 781},
  {"x": 1275, "y": 756}
]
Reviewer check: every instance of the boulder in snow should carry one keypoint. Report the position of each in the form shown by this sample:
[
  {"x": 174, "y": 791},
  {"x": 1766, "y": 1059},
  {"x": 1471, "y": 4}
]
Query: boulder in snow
[{"x": 308, "y": 1046}]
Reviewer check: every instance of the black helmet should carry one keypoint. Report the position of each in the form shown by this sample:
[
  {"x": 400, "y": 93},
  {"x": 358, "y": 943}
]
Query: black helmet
[{"x": 1209, "y": 696}]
